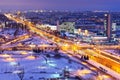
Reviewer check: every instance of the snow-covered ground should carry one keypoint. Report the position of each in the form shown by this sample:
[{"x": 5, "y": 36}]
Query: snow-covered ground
[
  {"x": 9, "y": 32},
  {"x": 113, "y": 52},
  {"x": 35, "y": 40},
  {"x": 38, "y": 67},
  {"x": 31, "y": 66},
  {"x": 31, "y": 42}
]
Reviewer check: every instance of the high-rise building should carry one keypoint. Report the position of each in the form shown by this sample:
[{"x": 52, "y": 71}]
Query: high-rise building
[{"x": 108, "y": 26}]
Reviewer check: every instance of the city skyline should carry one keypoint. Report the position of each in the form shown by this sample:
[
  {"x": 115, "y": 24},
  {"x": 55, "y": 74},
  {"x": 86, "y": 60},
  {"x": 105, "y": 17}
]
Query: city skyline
[
  {"x": 59, "y": 39},
  {"x": 71, "y": 5}
]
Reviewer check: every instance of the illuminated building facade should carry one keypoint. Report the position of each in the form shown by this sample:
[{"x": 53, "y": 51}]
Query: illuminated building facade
[{"x": 108, "y": 26}]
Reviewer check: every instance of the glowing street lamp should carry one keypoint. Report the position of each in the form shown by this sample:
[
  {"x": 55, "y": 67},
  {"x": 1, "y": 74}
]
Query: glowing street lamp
[
  {"x": 23, "y": 53},
  {"x": 79, "y": 31},
  {"x": 74, "y": 48},
  {"x": 5, "y": 55},
  {"x": 86, "y": 32},
  {"x": 31, "y": 57},
  {"x": 10, "y": 59}
]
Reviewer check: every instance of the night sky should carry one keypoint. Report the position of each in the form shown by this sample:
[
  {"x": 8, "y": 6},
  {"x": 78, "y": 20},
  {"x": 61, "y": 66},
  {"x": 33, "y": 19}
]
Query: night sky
[{"x": 73, "y": 5}]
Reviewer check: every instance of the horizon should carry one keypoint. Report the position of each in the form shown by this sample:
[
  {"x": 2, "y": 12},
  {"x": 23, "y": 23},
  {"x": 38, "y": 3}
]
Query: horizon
[
  {"x": 62, "y": 5},
  {"x": 41, "y": 10}
]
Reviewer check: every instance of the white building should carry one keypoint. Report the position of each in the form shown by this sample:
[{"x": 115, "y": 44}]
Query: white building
[{"x": 52, "y": 27}]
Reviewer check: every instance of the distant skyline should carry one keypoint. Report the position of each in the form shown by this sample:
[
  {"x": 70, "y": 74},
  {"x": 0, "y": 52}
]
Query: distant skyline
[{"x": 71, "y": 5}]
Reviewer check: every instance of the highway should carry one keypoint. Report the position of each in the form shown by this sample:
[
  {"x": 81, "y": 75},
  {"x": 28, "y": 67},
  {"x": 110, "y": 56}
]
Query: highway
[
  {"x": 67, "y": 45},
  {"x": 106, "y": 54},
  {"x": 23, "y": 37},
  {"x": 108, "y": 47},
  {"x": 112, "y": 64}
]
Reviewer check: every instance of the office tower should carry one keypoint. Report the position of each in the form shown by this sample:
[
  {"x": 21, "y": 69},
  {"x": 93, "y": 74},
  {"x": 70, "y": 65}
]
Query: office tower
[{"x": 108, "y": 25}]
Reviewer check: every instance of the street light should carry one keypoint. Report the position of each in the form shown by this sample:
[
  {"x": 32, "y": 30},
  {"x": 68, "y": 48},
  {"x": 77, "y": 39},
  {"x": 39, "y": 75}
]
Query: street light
[
  {"x": 79, "y": 31},
  {"x": 86, "y": 32}
]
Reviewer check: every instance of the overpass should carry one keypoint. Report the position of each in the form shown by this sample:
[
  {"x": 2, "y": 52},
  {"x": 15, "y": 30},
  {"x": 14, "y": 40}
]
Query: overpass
[
  {"x": 68, "y": 45},
  {"x": 31, "y": 47}
]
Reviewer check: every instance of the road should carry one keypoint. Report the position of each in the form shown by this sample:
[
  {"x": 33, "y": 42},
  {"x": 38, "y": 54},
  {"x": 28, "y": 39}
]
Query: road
[
  {"x": 69, "y": 45},
  {"x": 20, "y": 38}
]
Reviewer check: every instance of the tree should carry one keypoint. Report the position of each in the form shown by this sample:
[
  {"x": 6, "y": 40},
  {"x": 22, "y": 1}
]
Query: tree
[{"x": 21, "y": 73}]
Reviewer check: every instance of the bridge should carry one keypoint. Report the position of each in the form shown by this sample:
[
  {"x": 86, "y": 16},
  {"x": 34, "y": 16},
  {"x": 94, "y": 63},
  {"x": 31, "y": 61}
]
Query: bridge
[{"x": 67, "y": 45}]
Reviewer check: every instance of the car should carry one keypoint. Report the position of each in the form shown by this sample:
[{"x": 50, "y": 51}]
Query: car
[{"x": 101, "y": 68}]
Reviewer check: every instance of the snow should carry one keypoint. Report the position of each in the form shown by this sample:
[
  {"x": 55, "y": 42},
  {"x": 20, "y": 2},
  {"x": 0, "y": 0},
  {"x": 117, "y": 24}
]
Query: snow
[
  {"x": 36, "y": 68},
  {"x": 112, "y": 52},
  {"x": 101, "y": 76},
  {"x": 35, "y": 40},
  {"x": 9, "y": 32},
  {"x": 109, "y": 71}
]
